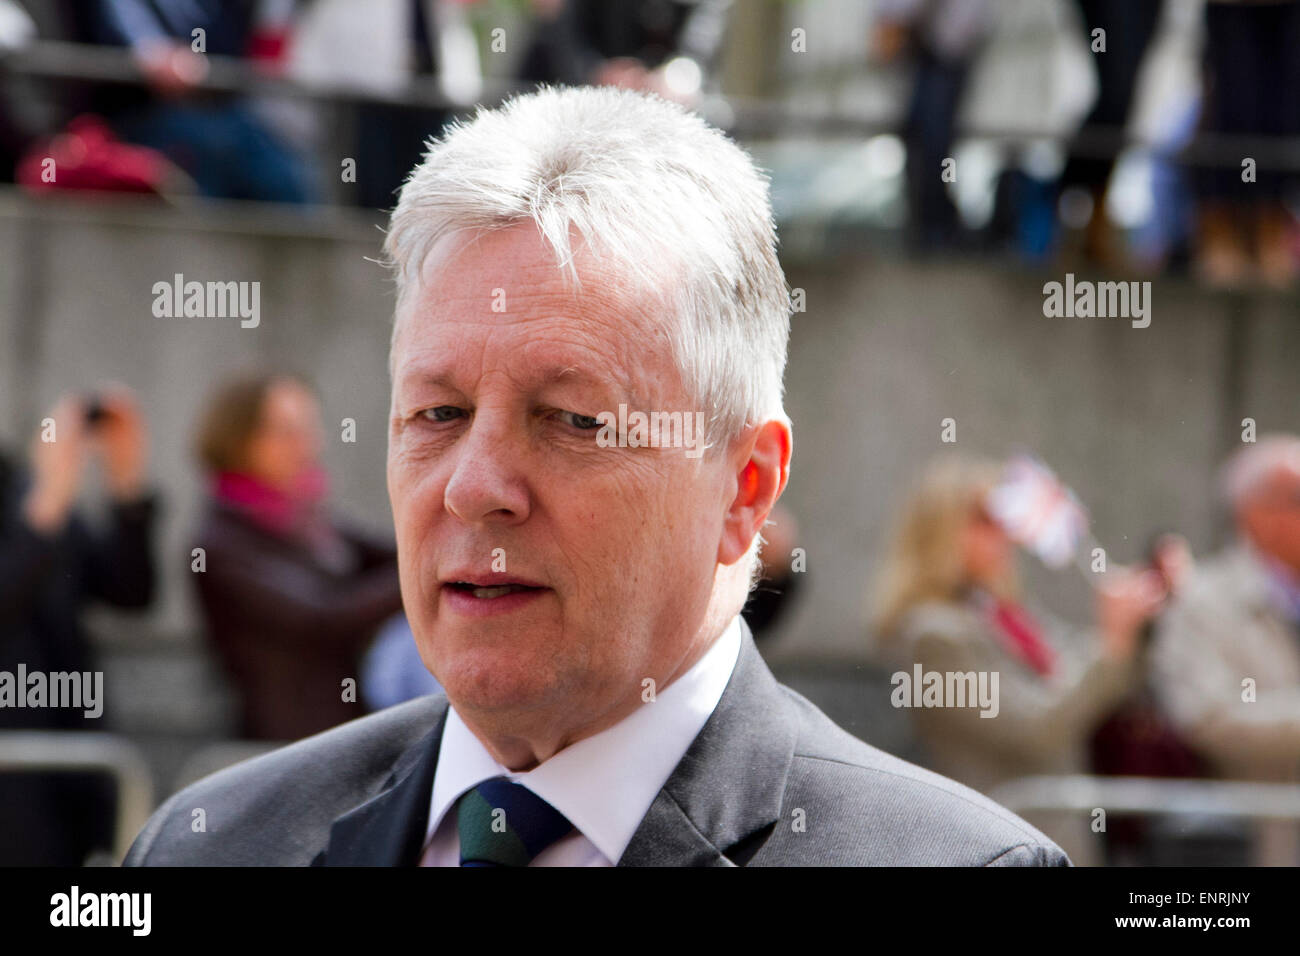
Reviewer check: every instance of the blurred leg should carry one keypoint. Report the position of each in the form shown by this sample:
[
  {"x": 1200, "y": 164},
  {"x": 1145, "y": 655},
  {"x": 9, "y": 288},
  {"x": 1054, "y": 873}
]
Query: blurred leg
[
  {"x": 1232, "y": 106},
  {"x": 931, "y": 119}
]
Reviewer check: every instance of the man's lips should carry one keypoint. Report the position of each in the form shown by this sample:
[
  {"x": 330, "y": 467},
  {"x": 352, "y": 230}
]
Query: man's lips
[
  {"x": 478, "y": 595},
  {"x": 489, "y": 585},
  {"x": 489, "y": 591}
]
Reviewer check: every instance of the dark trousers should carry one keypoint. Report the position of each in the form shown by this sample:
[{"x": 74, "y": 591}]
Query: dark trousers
[
  {"x": 1252, "y": 65},
  {"x": 931, "y": 118},
  {"x": 1129, "y": 26}
]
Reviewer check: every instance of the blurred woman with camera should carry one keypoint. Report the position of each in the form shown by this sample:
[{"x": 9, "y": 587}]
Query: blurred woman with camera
[{"x": 54, "y": 565}]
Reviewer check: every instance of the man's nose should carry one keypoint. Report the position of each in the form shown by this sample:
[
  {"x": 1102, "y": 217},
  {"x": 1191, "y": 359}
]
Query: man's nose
[{"x": 487, "y": 482}]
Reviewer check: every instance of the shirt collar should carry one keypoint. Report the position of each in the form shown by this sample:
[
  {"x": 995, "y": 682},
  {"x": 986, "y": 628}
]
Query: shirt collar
[{"x": 604, "y": 783}]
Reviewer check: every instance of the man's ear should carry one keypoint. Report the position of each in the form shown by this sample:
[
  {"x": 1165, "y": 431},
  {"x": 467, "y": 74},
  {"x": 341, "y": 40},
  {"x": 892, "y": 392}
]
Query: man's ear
[{"x": 762, "y": 463}]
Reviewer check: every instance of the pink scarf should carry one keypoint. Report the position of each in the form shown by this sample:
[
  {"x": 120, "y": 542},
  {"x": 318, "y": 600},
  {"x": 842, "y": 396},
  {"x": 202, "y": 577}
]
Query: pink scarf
[{"x": 280, "y": 511}]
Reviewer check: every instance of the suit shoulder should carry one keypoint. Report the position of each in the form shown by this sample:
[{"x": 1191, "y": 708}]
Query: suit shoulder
[
  {"x": 277, "y": 808},
  {"x": 869, "y": 807}
]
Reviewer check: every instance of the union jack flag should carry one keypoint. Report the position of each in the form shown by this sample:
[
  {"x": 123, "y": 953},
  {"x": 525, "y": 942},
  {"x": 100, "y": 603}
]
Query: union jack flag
[{"x": 1038, "y": 511}]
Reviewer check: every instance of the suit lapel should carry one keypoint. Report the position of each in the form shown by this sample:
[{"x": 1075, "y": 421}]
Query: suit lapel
[
  {"x": 388, "y": 829},
  {"x": 727, "y": 789}
]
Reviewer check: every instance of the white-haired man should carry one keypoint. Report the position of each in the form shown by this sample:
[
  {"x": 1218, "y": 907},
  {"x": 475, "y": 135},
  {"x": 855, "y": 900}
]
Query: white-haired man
[
  {"x": 586, "y": 438},
  {"x": 1226, "y": 661}
]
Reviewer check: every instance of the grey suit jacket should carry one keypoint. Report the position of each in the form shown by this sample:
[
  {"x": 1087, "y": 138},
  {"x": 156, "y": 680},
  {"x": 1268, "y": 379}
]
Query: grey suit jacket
[{"x": 769, "y": 781}]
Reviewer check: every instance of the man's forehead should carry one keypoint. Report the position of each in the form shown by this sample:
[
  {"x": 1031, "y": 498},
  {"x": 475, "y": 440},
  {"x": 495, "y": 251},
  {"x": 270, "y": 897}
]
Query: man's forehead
[
  {"x": 516, "y": 258},
  {"x": 491, "y": 290},
  {"x": 578, "y": 336}
]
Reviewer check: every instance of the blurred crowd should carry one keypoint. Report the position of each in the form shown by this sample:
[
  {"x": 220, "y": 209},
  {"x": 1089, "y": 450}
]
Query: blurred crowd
[
  {"x": 1190, "y": 668},
  {"x": 1164, "y": 140},
  {"x": 1159, "y": 76},
  {"x": 167, "y": 130}
]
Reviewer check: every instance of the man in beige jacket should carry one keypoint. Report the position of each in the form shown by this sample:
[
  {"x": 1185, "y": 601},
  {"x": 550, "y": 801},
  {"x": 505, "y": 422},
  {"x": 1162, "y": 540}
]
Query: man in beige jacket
[{"x": 1226, "y": 662}]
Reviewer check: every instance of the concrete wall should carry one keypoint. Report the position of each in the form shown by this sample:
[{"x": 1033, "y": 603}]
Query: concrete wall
[{"x": 1135, "y": 419}]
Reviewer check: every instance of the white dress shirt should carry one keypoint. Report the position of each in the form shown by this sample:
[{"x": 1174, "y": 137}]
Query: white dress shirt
[{"x": 603, "y": 784}]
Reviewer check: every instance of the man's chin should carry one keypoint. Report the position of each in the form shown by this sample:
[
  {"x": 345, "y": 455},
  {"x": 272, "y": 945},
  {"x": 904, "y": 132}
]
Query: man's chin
[{"x": 479, "y": 687}]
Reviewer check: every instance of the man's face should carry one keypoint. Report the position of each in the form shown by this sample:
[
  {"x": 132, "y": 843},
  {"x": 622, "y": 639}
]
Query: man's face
[
  {"x": 1271, "y": 517},
  {"x": 498, "y": 371}
]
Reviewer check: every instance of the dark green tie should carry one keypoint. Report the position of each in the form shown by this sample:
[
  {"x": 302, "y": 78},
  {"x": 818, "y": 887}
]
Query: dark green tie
[{"x": 505, "y": 824}]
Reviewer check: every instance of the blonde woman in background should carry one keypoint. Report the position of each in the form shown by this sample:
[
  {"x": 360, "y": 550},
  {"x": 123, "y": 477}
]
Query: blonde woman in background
[{"x": 948, "y": 599}]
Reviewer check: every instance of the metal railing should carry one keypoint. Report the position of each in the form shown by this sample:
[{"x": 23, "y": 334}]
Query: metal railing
[
  {"x": 744, "y": 117},
  {"x": 1270, "y": 811},
  {"x": 83, "y": 62},
  {"x": 31, "y": 751},
  {"x": 1151, "y": 796}
]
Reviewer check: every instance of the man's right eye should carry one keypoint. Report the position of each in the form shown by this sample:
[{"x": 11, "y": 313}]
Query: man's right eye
[{"x": 442, "y": 413}]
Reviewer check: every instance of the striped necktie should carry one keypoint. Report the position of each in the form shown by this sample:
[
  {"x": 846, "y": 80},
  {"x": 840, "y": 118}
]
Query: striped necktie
[{"x": 505, "y": 824}]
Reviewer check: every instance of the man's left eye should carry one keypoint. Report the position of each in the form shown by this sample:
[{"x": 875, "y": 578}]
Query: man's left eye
[
  {"x": 584, "y": 422},
  {"x": 442, "y": 413}
]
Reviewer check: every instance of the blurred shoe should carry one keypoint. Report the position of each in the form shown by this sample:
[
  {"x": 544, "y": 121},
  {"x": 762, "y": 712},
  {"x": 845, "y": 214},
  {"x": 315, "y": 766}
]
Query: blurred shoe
[
  {"x": 1275, "y": 258},
  {"x": 1103, "y": 245},
  {"x": 1221, "y": 257}
]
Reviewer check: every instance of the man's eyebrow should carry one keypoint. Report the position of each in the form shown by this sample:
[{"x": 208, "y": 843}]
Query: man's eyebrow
[
  {"x": 614, "y": 380},
  {"x": 571, "y": 373},
  {"x": 420, "y": 375}
]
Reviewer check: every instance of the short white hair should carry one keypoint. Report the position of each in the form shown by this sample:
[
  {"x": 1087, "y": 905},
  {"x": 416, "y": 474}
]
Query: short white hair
[
  {"x": 681, "y": 210},
  {"x": 1250, "y": 468}
]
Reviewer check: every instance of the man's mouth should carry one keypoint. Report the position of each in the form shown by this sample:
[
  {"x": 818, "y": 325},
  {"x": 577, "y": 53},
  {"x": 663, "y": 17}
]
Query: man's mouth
[{"x": 488, "y": 592}]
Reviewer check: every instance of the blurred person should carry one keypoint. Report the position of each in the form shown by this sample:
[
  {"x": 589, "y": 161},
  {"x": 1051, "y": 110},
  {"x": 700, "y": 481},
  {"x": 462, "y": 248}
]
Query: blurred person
[
  {"x": 667, "y": 47},
  {"x": 601, "y": 687},
  {"x": 1128, "y": 27},
  {"x": 778, "y": 581},
  {"x": 17, "y": 30},
  {"x": 948, "y": 600},
  {"x": 219, "y": 140},
  {"x": 943, "y": 38},
  {"x": 53, "y": 566},
  {"x": 290, "y": 595},
  {"x": 41, "y": 122},
  {"x": 1246, "y": 233},
  {"x": 1029, "y": 91},
  {"x": 1138, "y": 739},
  {"x": 386, "y": 48},
  {"x": 392, "y": 671},
  {"x": 1227, "y": 653}
]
